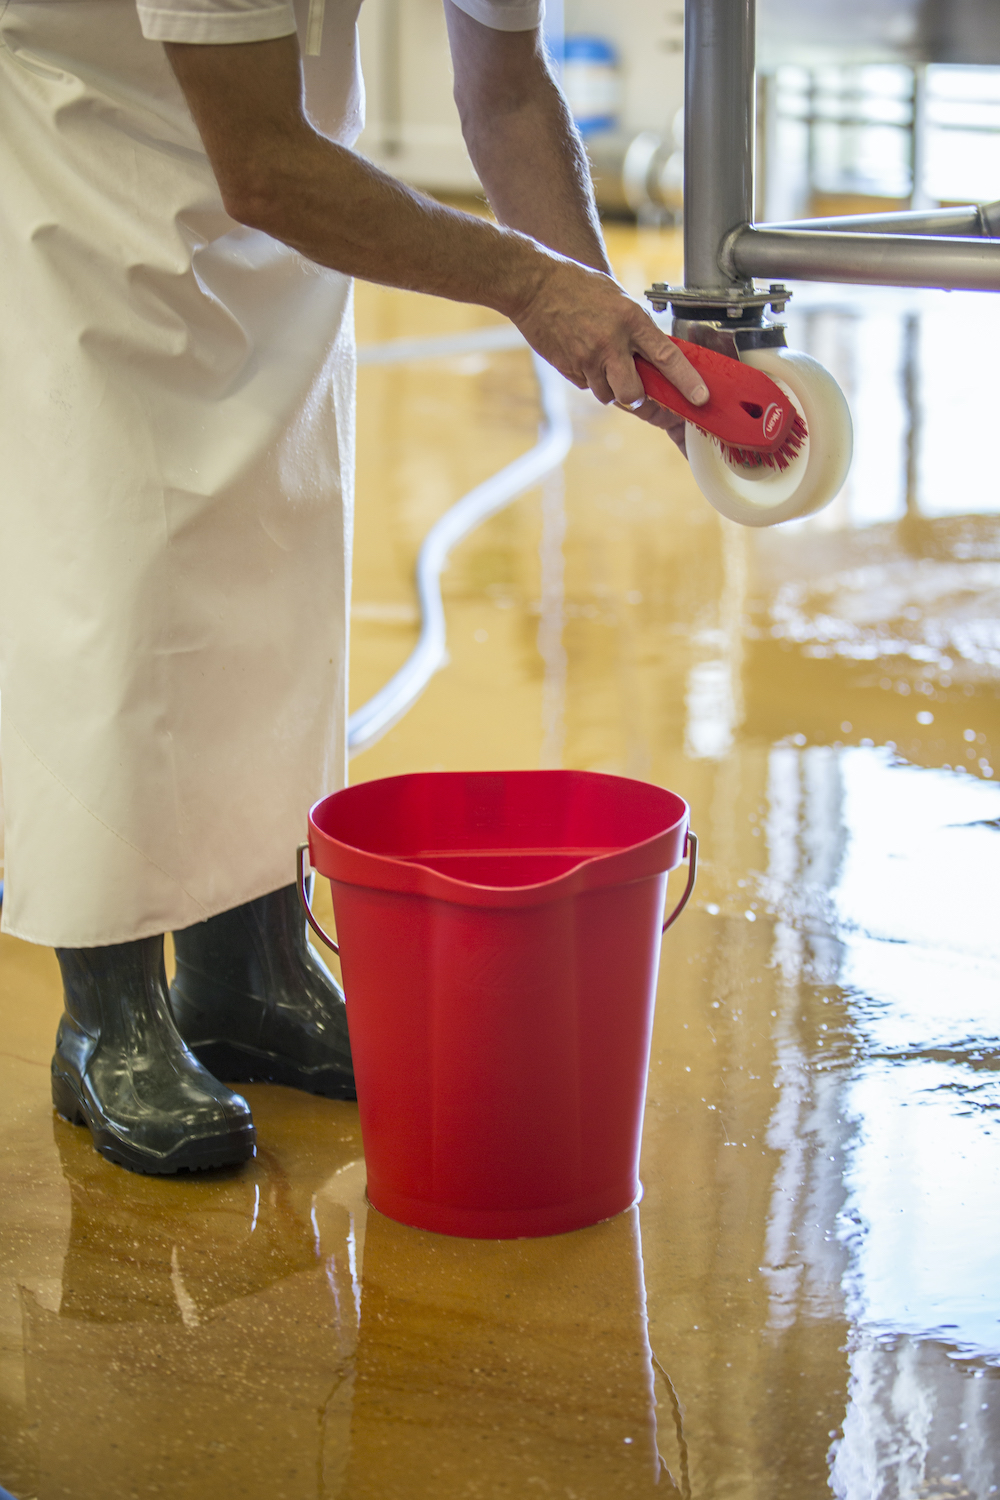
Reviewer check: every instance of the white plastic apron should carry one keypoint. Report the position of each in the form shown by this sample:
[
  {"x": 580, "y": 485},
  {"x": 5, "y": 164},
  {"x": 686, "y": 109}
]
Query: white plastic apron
[{"x": 176, "y": 459}]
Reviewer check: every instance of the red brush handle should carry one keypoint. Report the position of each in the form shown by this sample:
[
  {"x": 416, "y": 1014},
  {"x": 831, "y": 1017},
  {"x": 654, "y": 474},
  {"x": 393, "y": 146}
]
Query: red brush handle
[{"x": 745, "y": 409}]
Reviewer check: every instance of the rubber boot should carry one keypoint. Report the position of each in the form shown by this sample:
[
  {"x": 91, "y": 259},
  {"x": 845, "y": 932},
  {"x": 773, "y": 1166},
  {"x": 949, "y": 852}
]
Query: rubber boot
[
  {"x": 253, "y": 1000},
  {"x": 121, "y": 1069}
]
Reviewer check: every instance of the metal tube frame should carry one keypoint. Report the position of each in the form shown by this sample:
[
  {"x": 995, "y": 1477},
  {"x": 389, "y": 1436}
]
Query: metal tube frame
[
  {"x": 966, "y": 223},
  {"x": 952, "y": 264},
  {"x": 953, "y": 249},
  {"x": 718, "y": 132}
]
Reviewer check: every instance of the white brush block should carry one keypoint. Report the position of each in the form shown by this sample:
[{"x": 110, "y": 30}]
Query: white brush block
[{"x": 757, "y": 495}]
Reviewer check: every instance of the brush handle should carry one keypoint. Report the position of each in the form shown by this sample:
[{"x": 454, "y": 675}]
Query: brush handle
[
  {"x": 745, "y": 408},
  {"x": 660, "y": 390}
]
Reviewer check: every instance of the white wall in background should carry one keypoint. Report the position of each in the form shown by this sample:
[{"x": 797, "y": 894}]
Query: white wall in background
[
  {"x": 412, "y": 125},
  {"x": 413, "y": 128}
]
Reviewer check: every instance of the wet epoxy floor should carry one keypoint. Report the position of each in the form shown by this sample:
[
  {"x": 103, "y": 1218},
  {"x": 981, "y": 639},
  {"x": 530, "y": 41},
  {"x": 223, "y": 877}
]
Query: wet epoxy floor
[{"x": 807, "y": 1300}]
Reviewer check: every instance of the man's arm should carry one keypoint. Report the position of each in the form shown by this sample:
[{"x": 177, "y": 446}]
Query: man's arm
[
  {"x": 522, "y": 139},
  {"x": 278, "y": 174},
  {"x": 529, "y": 155}
]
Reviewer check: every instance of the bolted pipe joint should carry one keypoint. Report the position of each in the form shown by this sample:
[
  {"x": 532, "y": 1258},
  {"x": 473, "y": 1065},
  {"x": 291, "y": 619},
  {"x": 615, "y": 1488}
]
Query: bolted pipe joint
[
  {"x": 727, "y": 255},
  {"x": 989, "y": 214}
]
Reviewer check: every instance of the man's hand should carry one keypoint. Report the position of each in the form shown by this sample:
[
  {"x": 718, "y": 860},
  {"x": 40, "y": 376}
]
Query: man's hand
[
  {"x": 276, "y": 173},
  {"x": 589, "y": 328}
]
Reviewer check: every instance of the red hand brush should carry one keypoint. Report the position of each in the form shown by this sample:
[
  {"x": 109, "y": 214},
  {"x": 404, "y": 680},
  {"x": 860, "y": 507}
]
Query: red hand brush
[{"x": 753, "y": 419}]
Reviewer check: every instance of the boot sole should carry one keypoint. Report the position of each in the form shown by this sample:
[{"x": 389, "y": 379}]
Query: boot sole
[
  {"x": 197, "y": 1156},
  {"x": 232, "y": 1063}
]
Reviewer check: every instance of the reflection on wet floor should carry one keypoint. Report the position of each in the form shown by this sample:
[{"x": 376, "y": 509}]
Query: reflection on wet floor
[
  {"x": 202, "y": 1328},
  {"x": 492, "y": 1367},
  {"x": 807, "y": 1299}
]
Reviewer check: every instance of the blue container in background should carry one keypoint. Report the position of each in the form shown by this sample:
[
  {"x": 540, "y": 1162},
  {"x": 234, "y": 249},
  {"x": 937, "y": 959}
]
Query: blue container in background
[{"x": 591, "y": 77}]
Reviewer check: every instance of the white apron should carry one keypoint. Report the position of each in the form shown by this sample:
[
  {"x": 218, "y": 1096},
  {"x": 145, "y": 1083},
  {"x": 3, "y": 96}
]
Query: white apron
[{"x": 176, "y": 461}]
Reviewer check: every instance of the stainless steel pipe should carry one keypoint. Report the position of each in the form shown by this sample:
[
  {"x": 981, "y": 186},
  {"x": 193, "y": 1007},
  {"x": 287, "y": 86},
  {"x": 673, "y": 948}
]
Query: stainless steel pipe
[
  {"x": 968, "y": 223},
  {"x": 971, "y": 265},
  {"x": 719, "y": 46},
  {"x": 953, "y": 249}
]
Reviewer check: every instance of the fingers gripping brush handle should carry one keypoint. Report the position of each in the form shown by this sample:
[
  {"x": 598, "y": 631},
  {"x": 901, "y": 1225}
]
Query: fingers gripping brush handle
[{"x": 749, "y": 414}]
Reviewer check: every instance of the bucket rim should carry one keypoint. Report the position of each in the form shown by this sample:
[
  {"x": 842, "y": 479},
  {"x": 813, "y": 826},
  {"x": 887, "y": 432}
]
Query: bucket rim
[{"x": 347, "y": 863}]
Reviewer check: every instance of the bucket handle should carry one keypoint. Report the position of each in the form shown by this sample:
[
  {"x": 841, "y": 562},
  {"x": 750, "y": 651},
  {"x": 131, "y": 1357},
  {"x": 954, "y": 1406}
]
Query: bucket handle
[
  {"x": 691, "y": 847},
  {"x": 302, "y": 856},
  {"x": 690, "y": 844}
]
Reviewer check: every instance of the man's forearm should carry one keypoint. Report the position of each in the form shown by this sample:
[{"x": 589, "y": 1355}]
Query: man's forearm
[
  {"x": 276, "y": 173},
  {"x": 537, "y": 179},
  {"x": 522, "y": 139}
]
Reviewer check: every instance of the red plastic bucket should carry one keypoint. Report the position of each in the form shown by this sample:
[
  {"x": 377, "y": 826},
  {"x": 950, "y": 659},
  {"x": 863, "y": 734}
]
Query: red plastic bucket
[{"x": 499, "y": 934}]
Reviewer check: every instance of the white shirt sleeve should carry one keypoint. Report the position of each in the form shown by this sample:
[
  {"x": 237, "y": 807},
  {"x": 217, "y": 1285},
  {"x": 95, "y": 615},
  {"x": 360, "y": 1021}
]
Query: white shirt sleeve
[
  {"x": 505, "y": 15},
  {"x": 216, "y": 21}
]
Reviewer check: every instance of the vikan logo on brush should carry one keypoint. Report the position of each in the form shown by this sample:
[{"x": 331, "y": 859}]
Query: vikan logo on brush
[{"x": 772, "y": 420}]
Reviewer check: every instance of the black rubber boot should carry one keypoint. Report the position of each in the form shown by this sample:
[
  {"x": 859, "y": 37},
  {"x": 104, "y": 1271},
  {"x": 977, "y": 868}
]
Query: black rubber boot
[
  {"x": 253, "y": 1000},
  {"x": 121, "y": 1069}
]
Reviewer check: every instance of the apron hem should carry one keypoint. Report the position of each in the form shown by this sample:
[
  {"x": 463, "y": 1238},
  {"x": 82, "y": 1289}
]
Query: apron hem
[{"x": 154, "y": 928}]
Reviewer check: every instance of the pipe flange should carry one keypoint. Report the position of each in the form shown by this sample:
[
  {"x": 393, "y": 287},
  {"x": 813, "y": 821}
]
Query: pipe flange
[{"x": 741, "y": 303}]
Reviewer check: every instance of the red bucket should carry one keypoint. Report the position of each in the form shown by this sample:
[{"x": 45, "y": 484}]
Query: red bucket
[{"x": 499, "y": 934}]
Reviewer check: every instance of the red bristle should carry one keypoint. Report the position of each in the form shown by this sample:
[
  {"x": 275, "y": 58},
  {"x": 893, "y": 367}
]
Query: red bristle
[{"x": 779, "y": 459}]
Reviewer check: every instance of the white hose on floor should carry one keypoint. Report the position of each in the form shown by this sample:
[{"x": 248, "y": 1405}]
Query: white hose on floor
[
  {"x": 368, "y": 723},
  {"x": 446, "y": 346}
]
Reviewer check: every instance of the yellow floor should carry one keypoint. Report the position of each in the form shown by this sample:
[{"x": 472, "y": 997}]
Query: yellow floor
[{"x": 807, "y": 1300}]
